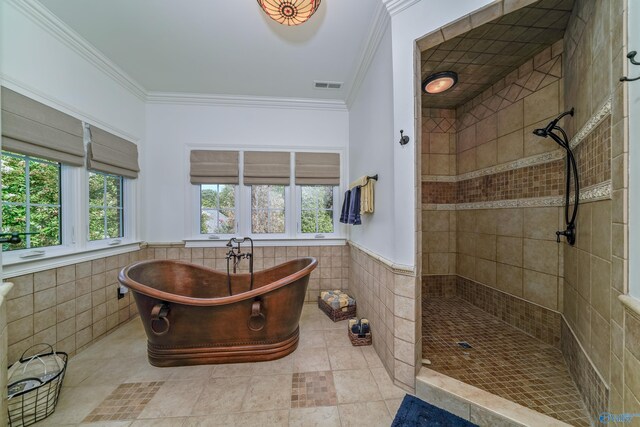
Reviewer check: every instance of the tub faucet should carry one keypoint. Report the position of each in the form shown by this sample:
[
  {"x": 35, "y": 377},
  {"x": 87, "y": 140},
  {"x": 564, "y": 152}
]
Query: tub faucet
[{"x": 235, "y": 255}]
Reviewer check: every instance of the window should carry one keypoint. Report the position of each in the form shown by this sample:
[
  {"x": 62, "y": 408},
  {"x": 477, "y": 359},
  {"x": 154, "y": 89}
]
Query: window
[
  {"x": 217, "y": 209},
  {"x": 31, "y": 200},
  {"x": 268, "y": 209},
  {"x": 106, "y": 211},
  {"x": 316, "y": 209}
]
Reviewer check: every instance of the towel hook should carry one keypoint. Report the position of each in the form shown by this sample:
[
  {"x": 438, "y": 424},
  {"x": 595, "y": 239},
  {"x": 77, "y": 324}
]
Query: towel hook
[
  {"x": 404, "y": 139},
  {"x": 631, "y": 55}
]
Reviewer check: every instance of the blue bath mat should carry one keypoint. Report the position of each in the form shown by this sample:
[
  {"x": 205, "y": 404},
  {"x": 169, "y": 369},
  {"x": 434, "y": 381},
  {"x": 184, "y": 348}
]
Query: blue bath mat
[{"x": 415, "y": 413}]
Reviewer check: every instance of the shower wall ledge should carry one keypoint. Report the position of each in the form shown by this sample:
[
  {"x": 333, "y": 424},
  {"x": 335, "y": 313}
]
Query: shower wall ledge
[
  {"x": 476, "y": 405},
  {"x": 630, "y": 303}
]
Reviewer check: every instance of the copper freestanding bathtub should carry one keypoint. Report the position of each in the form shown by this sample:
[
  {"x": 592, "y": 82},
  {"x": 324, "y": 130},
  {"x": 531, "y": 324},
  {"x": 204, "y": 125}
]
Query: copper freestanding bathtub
[{"x": 191, "y": 317}]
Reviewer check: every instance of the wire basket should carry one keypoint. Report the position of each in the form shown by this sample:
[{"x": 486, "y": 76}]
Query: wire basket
[{"x": 34, "y": 384}]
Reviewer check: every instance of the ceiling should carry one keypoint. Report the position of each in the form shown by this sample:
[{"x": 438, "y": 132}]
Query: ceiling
[
  {"x": 224, "y": 47},
  {"x": 489, "y": 52}
]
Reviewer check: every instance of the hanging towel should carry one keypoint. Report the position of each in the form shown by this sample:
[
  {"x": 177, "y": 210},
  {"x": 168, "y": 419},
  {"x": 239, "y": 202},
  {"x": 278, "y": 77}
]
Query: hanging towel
[
  {"x": 344, "y": 214},
  {"x": 366, "y": 193},
  {"x": 354, "y": 207}
]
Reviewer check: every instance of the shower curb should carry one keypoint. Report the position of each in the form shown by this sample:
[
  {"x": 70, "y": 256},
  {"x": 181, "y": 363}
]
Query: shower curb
[{"x": 476, "y": 405}]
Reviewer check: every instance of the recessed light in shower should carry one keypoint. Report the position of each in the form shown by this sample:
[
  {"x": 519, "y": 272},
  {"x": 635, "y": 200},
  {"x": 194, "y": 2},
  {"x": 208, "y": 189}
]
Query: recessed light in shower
[{"x": 439, "y": 82}]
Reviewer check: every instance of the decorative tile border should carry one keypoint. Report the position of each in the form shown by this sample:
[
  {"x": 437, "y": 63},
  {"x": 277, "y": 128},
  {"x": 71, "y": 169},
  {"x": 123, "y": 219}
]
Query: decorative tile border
[
  {"x": 595, "y": 193},
  {"x": 550, "y": 156},
  {"x": 592, "y": 387},
  {"x": 592, "y": 123}
]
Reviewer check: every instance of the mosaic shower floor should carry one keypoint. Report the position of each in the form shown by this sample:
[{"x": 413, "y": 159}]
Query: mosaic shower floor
[
  {"x": 501, "y": 359},
  {"x": 325, "y": 382}
]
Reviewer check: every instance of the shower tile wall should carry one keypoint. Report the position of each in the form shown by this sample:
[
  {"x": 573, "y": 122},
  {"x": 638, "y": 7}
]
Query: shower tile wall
[{"x": 596, "y": 271}]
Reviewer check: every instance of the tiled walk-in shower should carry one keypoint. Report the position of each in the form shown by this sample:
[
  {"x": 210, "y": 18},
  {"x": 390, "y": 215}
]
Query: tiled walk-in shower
[{"x": 499, "y": 358}]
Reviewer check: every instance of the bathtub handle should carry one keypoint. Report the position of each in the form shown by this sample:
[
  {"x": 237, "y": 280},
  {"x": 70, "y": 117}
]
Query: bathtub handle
[
  {"x": 257, "y": 319},
  {"x": 160, "y": 312}
]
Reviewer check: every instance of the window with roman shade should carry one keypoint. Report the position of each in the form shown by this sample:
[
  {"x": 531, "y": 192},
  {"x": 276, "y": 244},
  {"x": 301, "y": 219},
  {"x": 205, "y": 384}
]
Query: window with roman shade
[
  {"x": 111, "y": 154},
  {"x": 267, "y": 168},
  {"x": 214, "y": 167},
  {"x": 34, "y": 129},
  {"x": 317, "y": 169}
]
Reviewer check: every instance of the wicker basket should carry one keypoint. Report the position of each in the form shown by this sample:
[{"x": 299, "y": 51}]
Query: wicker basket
[
  {"x": 34, "y": 386},
  {"x": 357, "y": 341},
  {"x": 339, "y": 314}
]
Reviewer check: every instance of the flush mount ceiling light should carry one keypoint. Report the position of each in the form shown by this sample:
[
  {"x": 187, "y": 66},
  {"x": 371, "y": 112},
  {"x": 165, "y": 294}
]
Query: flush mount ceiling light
[
  {"x": 289, "y": 12},
  {"x": 439, "y": 82}
]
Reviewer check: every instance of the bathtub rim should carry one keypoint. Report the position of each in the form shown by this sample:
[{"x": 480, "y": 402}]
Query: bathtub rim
[{"x": 125, "y": 280}]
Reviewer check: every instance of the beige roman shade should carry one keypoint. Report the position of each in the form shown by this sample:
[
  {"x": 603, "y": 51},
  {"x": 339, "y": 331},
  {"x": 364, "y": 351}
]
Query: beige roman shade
[
  {"x": 34, "y": 129},
  {"x": 317, "y": 169},
  {"x": 214, "y": 167},
  {"x": 266, "y": 168},
  {"x": 111, "y": 154}
]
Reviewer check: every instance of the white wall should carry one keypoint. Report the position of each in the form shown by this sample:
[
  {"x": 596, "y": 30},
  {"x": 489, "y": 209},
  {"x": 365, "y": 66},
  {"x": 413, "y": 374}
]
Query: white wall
[
  {"x": 172, "y": 129},
  {"x": 371, "y": 143},
  {"x": 35, "y": 62},
  {"x": 634, "y": 152},
  {"x": 408, "y": 25}
]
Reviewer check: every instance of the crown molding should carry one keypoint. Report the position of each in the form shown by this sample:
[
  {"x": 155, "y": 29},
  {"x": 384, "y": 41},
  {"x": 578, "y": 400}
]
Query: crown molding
[
  {"x": 46, "y": 20},
  {"x": 178, "y": 98},
  {"x": 46, "y": 99},
  {"x": 374, "y": 37},
  {"x": 396, "y": 6}
]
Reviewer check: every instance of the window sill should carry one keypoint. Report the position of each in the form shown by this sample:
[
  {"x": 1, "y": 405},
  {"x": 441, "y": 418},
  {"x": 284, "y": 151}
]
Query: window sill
[
  {"x": 267, "y": 242},
  {"x": 18, "y": 267}
]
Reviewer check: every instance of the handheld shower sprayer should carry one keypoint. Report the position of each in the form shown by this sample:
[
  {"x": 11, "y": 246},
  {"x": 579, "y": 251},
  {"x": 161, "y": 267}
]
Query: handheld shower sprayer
[{"x": 572, "y": 169}]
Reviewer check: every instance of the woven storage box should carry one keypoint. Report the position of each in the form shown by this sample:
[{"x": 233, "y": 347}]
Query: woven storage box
[
  {"x": 357, "y": 341},
  {"x": 337, "y": 314}
]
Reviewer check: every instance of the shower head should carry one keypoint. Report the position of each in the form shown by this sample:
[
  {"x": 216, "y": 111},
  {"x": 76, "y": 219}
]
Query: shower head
[
  {"x": 540, "y": 132},
  {"x": 544, "y": 132}
]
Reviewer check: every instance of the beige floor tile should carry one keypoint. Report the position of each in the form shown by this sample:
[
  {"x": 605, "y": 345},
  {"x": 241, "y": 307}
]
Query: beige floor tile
[
  {"x": 337, "y": 338},
  {"x": 222, "y": 395},
  {"x": 246, "y": 419},
  {"x": 165, "y": 422},
  {"x": 346, "y": 358},
  {"x": 196, "y": 372},
  {"x": 173, "y": 399},
  {"x": 267, "y": 393},
  {"x": 372, "y": 358},
  {"x": 325, "y": 416},
  {"x": 107, "y": 424},
  {"x": 311, "y": 339},
  {"x": 386, "y": 386},
  {"x": 273, "y": 367},
  {"x": 365, "y": 414},
  {"x": 311, "y": 359},
  {"x": 393, "y": 405},
  {"x": 232, "y": 370},
  {"x": 356, "y": 386}
]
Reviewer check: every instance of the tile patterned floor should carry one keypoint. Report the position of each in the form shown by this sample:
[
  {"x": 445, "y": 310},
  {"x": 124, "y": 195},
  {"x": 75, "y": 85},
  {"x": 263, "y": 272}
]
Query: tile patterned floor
[
  {"x": 502, "y": 359},
  {"x": 126, "y": 402},
  {"x": 336, "y": 384}
]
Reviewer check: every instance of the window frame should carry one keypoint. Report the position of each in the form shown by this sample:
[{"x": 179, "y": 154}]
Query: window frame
[
  {"x": 104, "y": 207},
  {"x": 67, "y": 216},
  {"x": 336, "y": 214},
  {"x": 243, "y": 206}
]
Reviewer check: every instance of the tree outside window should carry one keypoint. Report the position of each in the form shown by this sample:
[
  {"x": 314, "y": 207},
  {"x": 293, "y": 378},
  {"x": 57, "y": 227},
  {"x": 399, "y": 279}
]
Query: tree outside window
[
  {"x": 217, "y": 209},
  {"x": 267, "y": 209},
  {"x": 31, "y": 200},
  {"x": 316, "y": 213},
  {"x": 106, "y": 211}
]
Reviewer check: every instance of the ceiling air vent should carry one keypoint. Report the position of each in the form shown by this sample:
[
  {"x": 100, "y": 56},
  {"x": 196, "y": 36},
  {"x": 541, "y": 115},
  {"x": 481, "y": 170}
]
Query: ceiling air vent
[{"x": 327, "y": 85}]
